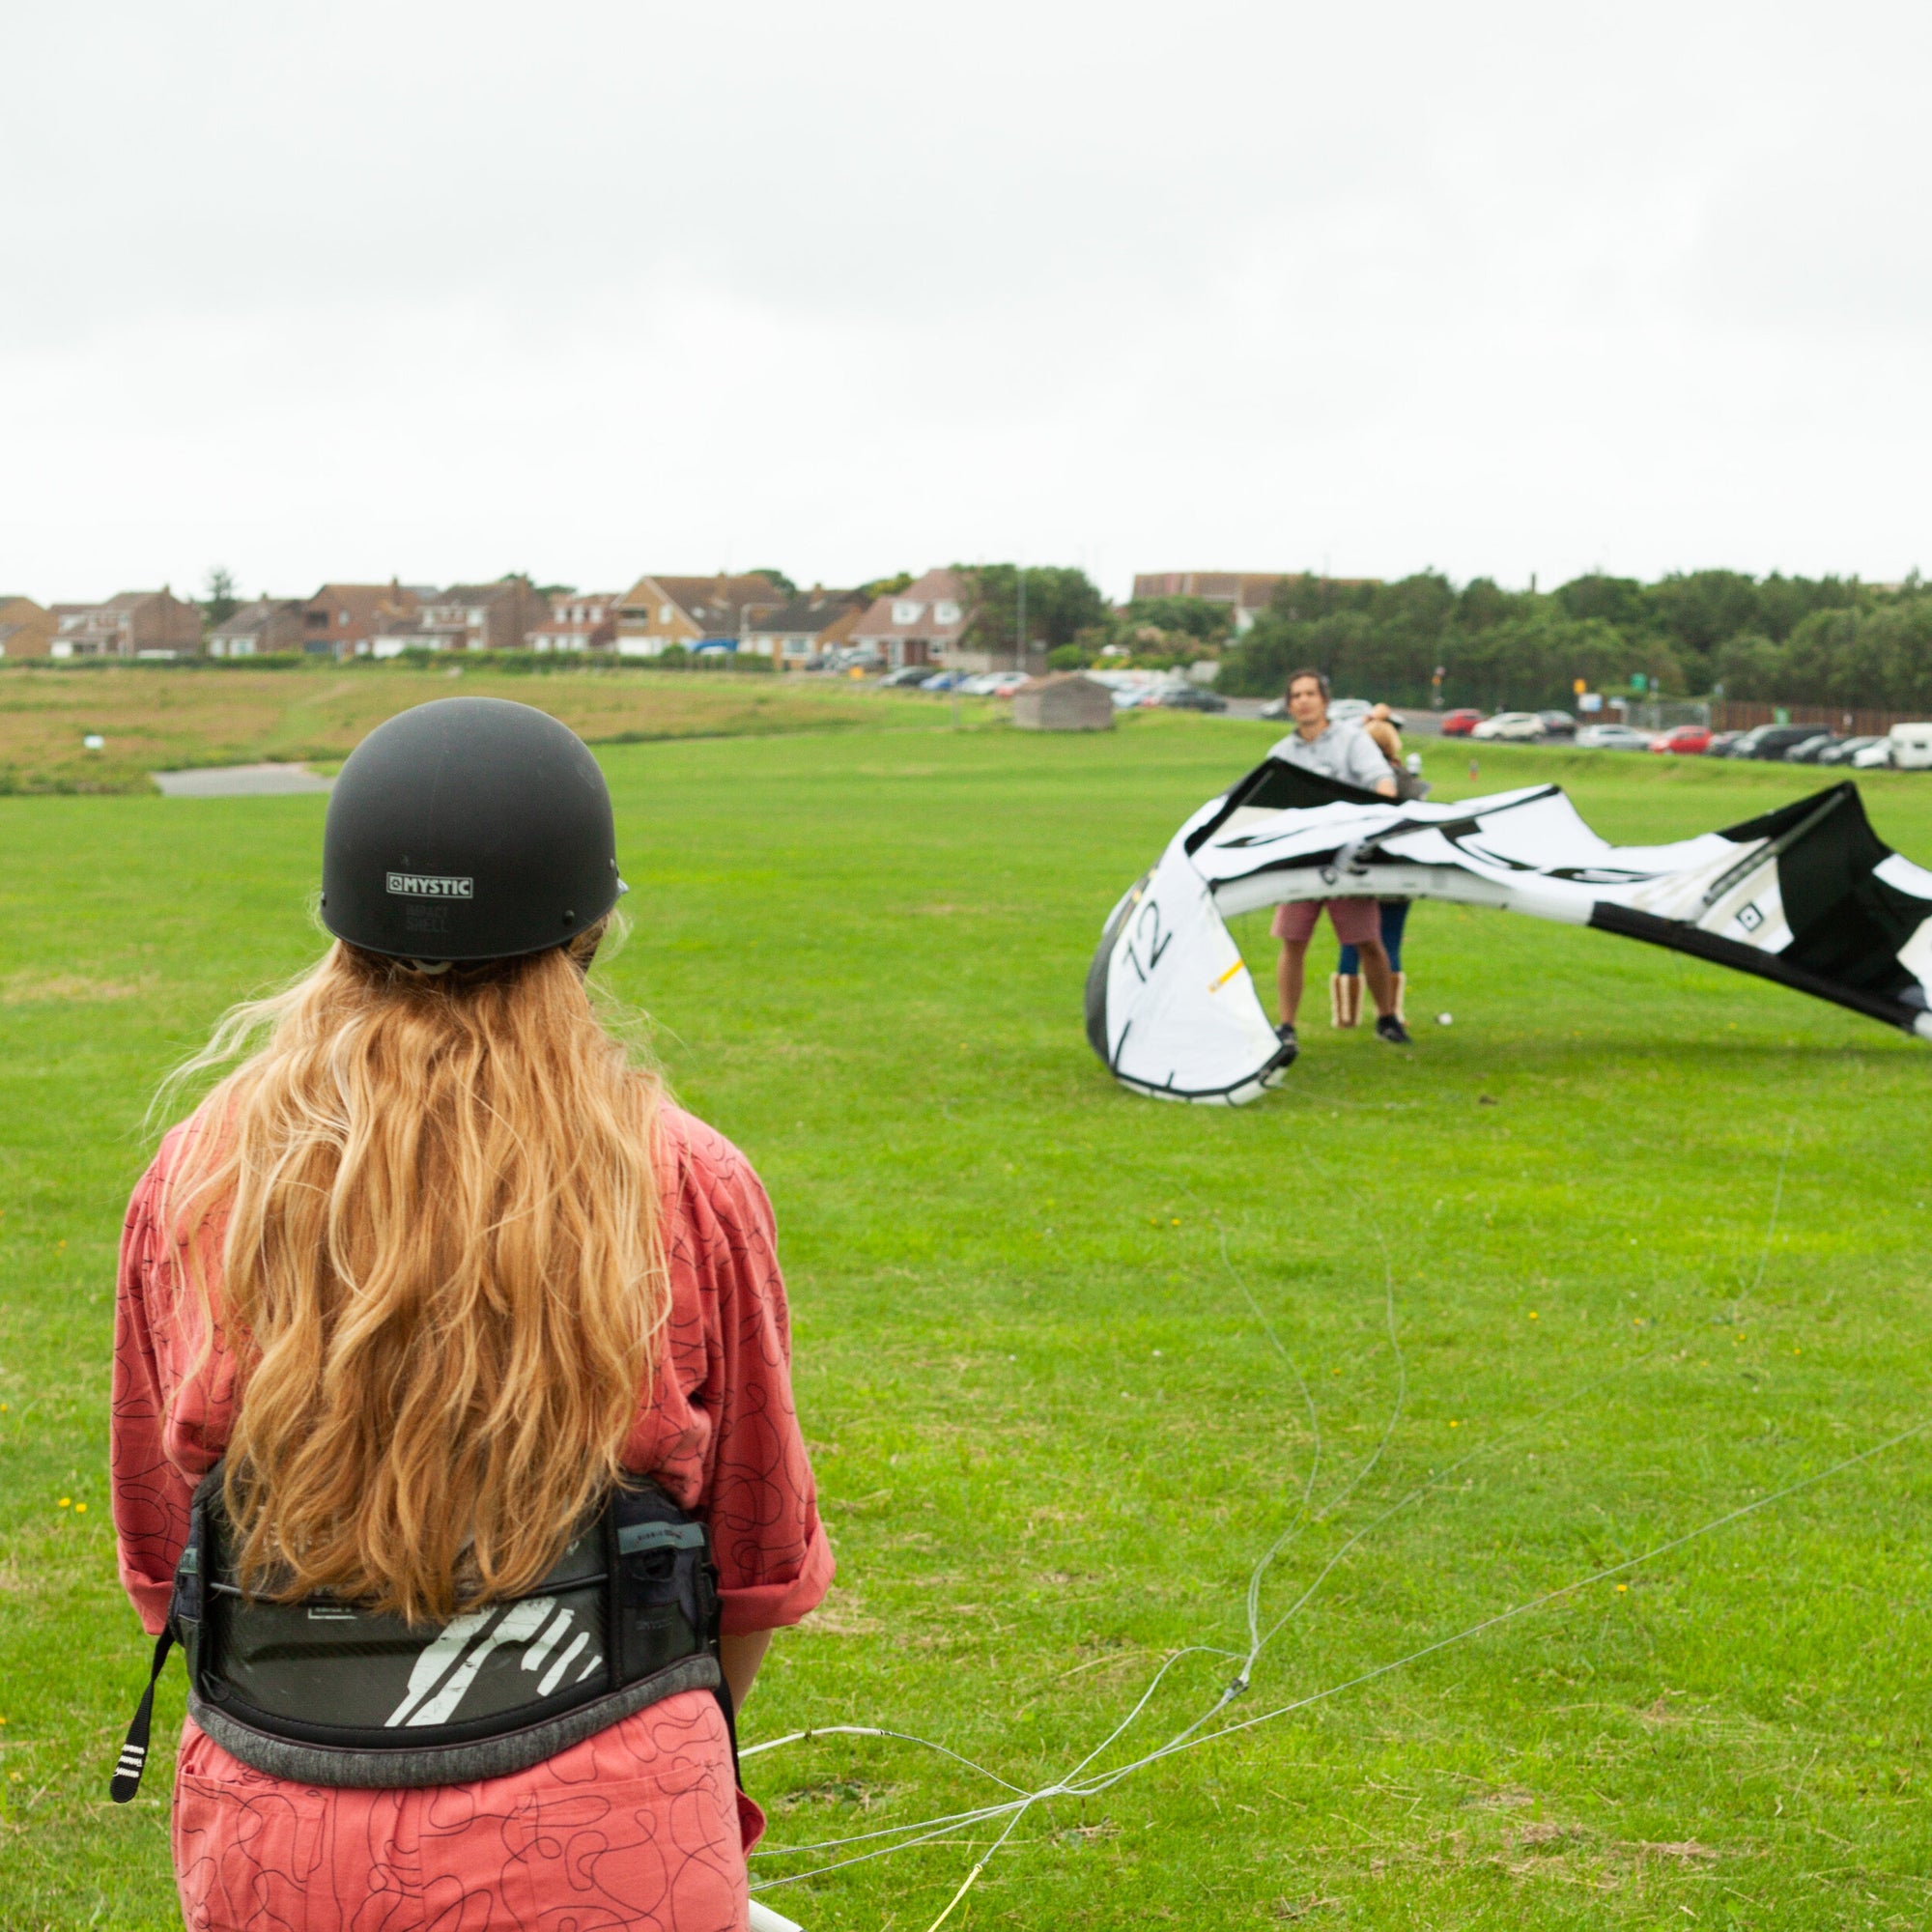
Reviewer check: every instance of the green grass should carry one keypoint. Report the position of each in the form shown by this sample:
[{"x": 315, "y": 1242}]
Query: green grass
[{"x": 1050, "y": 1436}]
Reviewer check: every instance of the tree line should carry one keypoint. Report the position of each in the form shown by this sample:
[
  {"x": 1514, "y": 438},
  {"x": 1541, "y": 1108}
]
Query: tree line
[
  {"x": 1703, "y": 632},
  {"x": 1707, "y": 632}
]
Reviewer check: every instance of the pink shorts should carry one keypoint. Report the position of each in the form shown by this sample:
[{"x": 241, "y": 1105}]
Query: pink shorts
[{"x": 1356, "y": 922}]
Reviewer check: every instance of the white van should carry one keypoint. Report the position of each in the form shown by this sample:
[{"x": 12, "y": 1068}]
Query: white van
[{"x": 1912, "y": 747}]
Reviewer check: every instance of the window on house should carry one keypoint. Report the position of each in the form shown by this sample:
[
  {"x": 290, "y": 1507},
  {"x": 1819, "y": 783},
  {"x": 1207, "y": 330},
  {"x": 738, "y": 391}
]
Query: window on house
[{"x": 946, "y": 611}]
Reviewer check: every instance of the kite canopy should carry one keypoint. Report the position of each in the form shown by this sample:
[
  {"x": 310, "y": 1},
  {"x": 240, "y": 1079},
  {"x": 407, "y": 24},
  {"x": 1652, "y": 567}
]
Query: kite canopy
[{"x": 1806, "y": 895}]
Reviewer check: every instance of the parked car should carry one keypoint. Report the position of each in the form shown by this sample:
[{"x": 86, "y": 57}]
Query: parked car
[
  {"x": 1911, "y": 747},
  {"x": 1558, "y": 723},
  {"x": 1612, "y": 738},
  {"x": 1691, "y": 740},
  {"x": 1193, "y": 698},
  {"x": 1846, "y": 750},
  {"x": 1512, "y": 726},
  {"x": 1875, "y": 756},
  {"x": 1348, "y": 710},
  {"x": 941, "y": 680},
  {"x": 1719, "y": 746},
  {"x": 1005, "y": 682},
  {"x": 979, "y": 685},
  {"x": 1771, "y": 740},
  {"x": 1459, "y": 724},
  {"x": 1806, "y": 751},
  {"x": 906, "y": 675}
]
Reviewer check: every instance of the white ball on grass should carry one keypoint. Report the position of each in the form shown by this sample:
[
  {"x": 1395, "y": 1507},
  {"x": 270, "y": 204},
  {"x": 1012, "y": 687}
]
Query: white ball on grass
[{"x": 1444, "y": 1019}]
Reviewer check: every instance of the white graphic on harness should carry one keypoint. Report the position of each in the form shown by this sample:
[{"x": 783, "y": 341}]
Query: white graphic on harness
[{"x": 445, "y": 1669}]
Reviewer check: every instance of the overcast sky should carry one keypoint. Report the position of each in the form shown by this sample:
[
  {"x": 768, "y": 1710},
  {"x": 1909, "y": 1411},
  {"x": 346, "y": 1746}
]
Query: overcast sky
[{"x": 441, "y": 291}]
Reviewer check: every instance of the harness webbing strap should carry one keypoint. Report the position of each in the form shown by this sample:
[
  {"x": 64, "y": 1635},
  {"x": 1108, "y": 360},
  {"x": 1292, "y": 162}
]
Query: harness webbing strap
[{"x": 126, "y": 1779}]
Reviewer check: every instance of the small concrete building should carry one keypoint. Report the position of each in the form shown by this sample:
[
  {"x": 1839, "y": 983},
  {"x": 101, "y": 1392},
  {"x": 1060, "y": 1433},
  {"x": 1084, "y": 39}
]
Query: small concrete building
[{"x": 1068, "y": 702}]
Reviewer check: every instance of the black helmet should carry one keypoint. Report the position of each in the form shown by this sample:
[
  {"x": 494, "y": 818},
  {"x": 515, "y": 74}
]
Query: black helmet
[{"x": 468, "y": 829}]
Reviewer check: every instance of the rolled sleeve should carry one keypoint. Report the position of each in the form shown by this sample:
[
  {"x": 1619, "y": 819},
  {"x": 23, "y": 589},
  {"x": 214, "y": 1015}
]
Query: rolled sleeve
[{"x": 774, "y": 1562}]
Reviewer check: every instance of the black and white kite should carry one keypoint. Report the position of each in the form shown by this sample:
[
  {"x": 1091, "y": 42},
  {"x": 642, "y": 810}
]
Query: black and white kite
[{"x": 1805, "y": 895}]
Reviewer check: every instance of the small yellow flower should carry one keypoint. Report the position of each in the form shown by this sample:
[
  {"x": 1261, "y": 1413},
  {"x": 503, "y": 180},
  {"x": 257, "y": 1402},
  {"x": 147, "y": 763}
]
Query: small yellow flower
[
  {"x": 1621, "y": 1589},
  {"x": 1176, "y": 1222},
  {"x": 1533, "y": 1315},
  {"x": 67, "y": 1502},
  {"x": 81, "y": 1509},
  {"x": 1455, "y": 1425}
]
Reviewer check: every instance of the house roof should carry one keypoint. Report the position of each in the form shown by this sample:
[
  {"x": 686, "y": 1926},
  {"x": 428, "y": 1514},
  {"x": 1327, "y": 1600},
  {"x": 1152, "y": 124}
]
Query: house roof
[
  {"x": 814, "y": 611},
  {"x": 477, "y": 594},
  {"x": 368, "y": 602},
  {"x": 254, "y": 616},
  {"x": 884, "y": 619},
  {"x": 717, "y": 604}
]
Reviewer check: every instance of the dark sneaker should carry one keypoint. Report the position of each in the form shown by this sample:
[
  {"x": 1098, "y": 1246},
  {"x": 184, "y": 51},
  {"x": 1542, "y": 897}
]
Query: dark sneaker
[
  {"x": 1392, "y": 1030},
  {"x": 1290, "y": 1045}
]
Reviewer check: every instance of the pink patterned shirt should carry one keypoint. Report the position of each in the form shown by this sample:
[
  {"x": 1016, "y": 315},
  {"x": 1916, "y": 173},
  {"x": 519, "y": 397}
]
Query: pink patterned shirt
[{"x": 639, "y": 1826}]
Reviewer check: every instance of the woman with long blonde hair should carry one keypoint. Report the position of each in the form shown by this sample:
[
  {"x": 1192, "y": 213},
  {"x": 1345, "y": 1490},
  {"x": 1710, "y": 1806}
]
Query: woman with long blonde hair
[{"x": 453, "y": 1435}]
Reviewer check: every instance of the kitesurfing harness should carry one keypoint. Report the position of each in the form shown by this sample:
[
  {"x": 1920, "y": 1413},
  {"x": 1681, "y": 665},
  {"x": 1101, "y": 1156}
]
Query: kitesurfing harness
[{"x": 322, "y": 1692}]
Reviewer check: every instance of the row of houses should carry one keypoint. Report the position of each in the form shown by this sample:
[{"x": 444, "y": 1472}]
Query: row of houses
[{"x": 930, "y": 621}]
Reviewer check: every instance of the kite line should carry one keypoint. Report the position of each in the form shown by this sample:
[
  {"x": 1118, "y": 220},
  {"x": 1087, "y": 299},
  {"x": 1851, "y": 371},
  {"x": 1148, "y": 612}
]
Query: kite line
[{"x": 1073, "y": 1785}]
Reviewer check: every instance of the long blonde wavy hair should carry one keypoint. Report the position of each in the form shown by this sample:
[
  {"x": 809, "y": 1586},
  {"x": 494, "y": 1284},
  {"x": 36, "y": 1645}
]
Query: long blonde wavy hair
[{"x": 441, "y": 1273}]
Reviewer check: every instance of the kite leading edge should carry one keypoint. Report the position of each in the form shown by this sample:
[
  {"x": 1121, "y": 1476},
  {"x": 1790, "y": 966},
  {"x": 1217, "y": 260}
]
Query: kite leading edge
[{"x": 1807, "y": 895}]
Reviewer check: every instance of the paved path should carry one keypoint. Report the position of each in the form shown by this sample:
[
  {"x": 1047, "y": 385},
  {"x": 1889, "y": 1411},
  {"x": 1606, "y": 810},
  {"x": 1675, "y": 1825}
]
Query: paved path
[{"x": 238, "y": 782}]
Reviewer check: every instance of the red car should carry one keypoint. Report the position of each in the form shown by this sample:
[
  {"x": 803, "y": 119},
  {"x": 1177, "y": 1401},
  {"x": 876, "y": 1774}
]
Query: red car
[
  {"x": 1694, "y": 739},
  {"x": 1459, "y": 724}
]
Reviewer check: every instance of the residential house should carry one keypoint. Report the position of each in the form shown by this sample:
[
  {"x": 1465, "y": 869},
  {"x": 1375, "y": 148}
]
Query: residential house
[
  {"x": 813, "y": 623},
  {"x": 26, "y": 629},
  {"x": 468, "y": 617},
  {"x": 579, "y": 620},
  {"x": 268, "y": 624},
  {"x": 657, "y": 612},
  {"x": 1246, "y": 592},
  {"x": 343, "y": 620},
  {"x": 136, "y": 624},
  {"x": 927, "y": 622}
]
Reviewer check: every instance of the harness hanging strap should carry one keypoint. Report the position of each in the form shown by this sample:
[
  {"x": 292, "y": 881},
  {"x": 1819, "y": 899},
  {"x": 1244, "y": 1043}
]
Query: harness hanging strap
[{"x": 126, "y": 1780}]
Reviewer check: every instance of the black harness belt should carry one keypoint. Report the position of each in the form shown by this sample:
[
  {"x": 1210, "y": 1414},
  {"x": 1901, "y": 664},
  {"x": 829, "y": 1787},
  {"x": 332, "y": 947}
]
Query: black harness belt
[{"x": 322, "y": 1692}]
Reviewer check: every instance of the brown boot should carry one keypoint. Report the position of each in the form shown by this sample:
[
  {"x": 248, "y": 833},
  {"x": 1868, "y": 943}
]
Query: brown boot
[{"x": 1345, "y": 999}]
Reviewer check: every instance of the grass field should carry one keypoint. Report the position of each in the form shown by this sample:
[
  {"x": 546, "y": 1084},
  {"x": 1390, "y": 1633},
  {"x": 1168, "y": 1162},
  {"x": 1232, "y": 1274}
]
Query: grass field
[
  {"x": 1051, "y": 1436},
  {"x": 160, "y": 717}
]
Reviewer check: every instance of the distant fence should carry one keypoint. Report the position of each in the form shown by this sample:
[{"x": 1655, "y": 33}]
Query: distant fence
[
  {"x": 1666, "y": 714},
  {"x": 1733, "y": 715}
]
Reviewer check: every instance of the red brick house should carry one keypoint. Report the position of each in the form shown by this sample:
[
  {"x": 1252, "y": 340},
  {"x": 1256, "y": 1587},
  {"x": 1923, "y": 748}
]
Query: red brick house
[
  {"x": 270, "y": 624},
  {"x": 926, "y": 623},
  {"x": 137, "y": 623},
  {"x": 657, "y": 612},
  {"x": 342, "y": 619}
]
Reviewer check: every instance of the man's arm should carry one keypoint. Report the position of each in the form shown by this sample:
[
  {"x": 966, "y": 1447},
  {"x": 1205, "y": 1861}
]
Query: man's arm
[{"x": 1368, "y": 768}]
